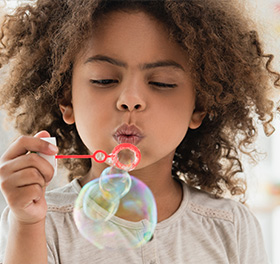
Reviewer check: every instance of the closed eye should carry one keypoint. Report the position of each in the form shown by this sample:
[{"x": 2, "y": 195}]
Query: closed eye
[
  {"x": 104, "y": 82},
  {"x": 163, "y": 85}
]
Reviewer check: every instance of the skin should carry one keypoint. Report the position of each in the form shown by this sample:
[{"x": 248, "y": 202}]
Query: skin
[
  {"x": 137, "y": 96},
  {"x": 159, "y": 99}
]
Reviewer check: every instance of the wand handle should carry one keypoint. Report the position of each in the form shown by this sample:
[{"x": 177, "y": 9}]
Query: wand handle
[{"x": 73, "y": 156}]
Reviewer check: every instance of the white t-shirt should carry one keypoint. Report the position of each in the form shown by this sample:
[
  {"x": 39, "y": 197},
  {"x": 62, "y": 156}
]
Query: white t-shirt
[{"x": 202, "y": 230}]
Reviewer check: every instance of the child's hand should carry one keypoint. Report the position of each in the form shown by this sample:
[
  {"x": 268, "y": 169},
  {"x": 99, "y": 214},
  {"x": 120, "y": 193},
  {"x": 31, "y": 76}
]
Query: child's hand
[{"x": 25, "y": 175}]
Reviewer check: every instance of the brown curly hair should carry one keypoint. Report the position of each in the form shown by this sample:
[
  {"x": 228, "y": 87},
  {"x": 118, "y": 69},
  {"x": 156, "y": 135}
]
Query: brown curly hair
[{"x": 232, "y": 76}]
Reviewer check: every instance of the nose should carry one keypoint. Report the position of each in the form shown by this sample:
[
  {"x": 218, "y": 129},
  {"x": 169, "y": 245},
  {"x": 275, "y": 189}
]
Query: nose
[{"x": 131, "y": 100}]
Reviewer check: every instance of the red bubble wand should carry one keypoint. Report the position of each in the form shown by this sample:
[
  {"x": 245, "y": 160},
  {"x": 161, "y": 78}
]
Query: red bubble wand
[{"x": 101, "y": 156}]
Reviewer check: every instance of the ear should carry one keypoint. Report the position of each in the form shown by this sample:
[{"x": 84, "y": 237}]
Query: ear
[
  {"x": 197, "y": 118},
  {"x": 67, "y": 114}
]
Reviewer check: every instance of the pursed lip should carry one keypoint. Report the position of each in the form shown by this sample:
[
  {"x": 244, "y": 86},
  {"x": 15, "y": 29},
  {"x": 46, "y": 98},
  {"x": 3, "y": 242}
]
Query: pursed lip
[{"x": 128, "y": 134}]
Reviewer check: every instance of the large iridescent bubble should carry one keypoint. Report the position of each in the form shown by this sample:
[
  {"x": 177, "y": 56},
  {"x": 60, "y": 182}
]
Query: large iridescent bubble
[{"x": 117, "y": 210}]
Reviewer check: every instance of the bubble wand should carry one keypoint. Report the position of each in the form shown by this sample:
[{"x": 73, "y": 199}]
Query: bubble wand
[
  {"x": 117, "y": 210},
  {"x": 115, "y": 157}
]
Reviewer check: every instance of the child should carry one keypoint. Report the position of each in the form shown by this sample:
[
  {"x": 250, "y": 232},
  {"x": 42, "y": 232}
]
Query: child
[{"x": 184, "y": 81}]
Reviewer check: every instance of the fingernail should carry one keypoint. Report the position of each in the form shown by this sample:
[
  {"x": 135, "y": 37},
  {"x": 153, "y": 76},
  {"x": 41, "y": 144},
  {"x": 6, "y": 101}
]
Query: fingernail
[{"x": 53, "y": 148}]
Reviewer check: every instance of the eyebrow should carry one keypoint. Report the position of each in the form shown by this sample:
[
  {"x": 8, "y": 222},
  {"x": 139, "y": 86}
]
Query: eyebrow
[
  {"x": 102, "y": 58},
  {"x": 146, "y": 66},
  {"x": 164, "y": 63}
]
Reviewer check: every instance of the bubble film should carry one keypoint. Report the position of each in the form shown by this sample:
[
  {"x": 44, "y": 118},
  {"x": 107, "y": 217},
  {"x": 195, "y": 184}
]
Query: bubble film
[
  {"x": 126, "y": 156},
  {"x": 116, "y": 211}
]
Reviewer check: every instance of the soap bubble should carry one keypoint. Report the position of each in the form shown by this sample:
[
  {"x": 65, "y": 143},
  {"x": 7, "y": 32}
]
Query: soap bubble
[{"x": 117, "y": 210}]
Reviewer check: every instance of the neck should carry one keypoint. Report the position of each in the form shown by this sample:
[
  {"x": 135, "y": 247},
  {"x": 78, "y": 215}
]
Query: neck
[{"x": 167, "y": 191}]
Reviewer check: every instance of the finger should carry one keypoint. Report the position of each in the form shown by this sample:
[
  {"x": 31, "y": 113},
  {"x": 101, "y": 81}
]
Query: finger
[
  {"x": 42, "y": 134},
  {"x": 33, "y": 161},
  {"x": 26, "y": 143},
  {"x": 22, "y": 178}
]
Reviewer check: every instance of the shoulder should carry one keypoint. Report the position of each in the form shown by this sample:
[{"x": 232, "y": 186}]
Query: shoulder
[
  {"x": 60, "y": 199},
  {"x": 236, "y": 219},
  {"x": 205, "y": 204}
]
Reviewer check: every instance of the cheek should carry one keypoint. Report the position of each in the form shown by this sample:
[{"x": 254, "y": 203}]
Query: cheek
[
  {"x": 174, "y": 123},
  {"x": 85, "y": 118},
  {"x": 179, "y": 114},
  {"x": 93, "y": 119}
]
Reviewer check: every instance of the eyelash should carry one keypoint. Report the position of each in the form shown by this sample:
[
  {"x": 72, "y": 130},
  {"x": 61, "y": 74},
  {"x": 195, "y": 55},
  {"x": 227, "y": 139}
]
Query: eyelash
[
  {"x": 107, "y": 82},
  {"x": 104, "y": 82},
  {"x": 163, "y": 85}
]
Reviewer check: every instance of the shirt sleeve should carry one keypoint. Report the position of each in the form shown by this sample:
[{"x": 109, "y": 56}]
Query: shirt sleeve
[
  {"x": 249, "y": 237},
  {"x": 4, "y": 228}
]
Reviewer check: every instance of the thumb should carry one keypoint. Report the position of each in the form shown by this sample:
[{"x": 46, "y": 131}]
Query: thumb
[{"x": 42, "y": 134}]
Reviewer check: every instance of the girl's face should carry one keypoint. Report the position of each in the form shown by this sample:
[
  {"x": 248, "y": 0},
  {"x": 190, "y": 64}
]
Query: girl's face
[{"x": 132, "y": 84}]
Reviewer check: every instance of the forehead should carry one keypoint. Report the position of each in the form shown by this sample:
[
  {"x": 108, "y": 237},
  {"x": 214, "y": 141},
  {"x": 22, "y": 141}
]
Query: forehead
[{"x": 131, "y": 34}]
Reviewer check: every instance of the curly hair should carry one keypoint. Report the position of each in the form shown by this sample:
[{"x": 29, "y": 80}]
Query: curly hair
[{"x": 231, "y": 73}]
